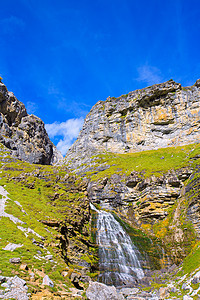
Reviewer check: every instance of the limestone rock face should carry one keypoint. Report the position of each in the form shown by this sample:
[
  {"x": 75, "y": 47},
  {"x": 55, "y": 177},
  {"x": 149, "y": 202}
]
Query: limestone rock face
[
  {"x": 24, "y": 134},
  {"x": 159, "y": 116},
  {"x": 144, "y": 199}
]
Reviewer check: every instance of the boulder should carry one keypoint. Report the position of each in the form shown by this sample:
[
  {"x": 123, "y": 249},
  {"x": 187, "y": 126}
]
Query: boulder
[
  {"x": 15, "y": 289},
  {"x": 101, "y": 291},
  {"x": 15, "y": 260},
  {"x": 11, "y": 247},
  {"x": 47, "y": 281}
]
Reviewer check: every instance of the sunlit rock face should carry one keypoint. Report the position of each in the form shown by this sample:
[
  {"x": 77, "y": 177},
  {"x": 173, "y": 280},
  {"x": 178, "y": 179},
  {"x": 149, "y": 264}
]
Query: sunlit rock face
[
  {"x": 24, "y": 134},
  {"x": 159, "y": 116}
]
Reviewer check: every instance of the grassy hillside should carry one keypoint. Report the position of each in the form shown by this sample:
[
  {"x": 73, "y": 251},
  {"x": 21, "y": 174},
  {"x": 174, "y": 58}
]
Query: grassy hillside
[
  {"x": 149, "y": 162},
  {"x": 54, "y": 232},
  {"x": 54, "y": 228}
]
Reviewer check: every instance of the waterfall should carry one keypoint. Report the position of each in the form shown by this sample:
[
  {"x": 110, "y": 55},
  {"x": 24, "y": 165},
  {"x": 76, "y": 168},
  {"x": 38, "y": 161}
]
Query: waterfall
[{"x": 118, "y": 257}]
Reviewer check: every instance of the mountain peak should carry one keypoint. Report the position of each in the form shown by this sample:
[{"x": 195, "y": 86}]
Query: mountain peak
[{"x": 24, "y": 134}]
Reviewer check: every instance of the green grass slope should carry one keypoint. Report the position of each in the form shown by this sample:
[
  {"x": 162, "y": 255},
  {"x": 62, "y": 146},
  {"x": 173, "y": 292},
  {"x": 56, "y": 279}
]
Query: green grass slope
[{"x": 53, "y": 207}]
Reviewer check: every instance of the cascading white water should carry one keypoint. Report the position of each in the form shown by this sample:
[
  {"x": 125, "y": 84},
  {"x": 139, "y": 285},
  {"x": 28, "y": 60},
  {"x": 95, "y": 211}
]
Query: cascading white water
[{"x": 118, "y": 257}]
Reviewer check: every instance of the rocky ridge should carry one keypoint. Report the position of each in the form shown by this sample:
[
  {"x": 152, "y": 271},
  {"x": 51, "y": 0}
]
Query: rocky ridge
[
  {"x": 24, "y": 134},
  {"x": 162, "y": 115}
]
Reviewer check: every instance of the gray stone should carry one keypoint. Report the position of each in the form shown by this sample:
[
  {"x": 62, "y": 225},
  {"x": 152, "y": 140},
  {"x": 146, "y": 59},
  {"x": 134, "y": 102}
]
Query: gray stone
[
  {"x": 196, "y": 278},
  {"x": 15, "y": 289},
  {"x": 185, "y": 286},
  {"x": 47, "y": 281},
  {"x": 32, "y": 275},
  {"x": 15, "y": 260},
  {"x": 129, "y": 291},
  {"x": 115, "y": 193},
  {"x": 101, "y": 291},
  {"x": 11, "y": 247},
  {"x": 17, "y": 282}
]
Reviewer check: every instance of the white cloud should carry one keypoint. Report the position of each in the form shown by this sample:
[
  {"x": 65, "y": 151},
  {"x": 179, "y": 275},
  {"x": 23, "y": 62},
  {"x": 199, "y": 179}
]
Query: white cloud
[
  {"x": 149, "y": 74},
  {"x": 66, "y": 131}
]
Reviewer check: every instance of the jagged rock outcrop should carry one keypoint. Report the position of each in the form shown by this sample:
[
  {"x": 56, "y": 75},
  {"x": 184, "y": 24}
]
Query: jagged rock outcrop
[
  {"x": 24, "y": 134},
  {"x": 159, "y": 116}
]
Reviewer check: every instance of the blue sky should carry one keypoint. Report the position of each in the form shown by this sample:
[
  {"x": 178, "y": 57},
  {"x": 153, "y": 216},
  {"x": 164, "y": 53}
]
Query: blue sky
[{"x": 61, "y": 57}]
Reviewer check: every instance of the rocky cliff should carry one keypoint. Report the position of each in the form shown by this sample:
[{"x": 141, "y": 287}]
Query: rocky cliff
[
  {"x": 159, "y": 116},
  {"x": 24, "y": 134},
  {"x": 49, "y": 243},
  {"x": 140, "y": 152}
]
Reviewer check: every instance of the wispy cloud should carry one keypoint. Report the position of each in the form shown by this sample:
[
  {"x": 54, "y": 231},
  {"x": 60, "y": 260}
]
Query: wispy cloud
[
  {"x": 149, "y": 74},
  {"x": 31, "y": 107},
  {"x": 66, "y": 132},
  {"x": 79, "y": 108}
]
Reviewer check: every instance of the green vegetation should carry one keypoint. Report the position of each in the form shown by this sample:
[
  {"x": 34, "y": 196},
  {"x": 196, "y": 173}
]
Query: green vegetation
[
  {"x": 149, "y": 162},
  {"x": 192, "y": 261},
  {"x": 163, "y": 231},
  {"x": 55, "y": 207},
  {"x": 53, "y": 204}
]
